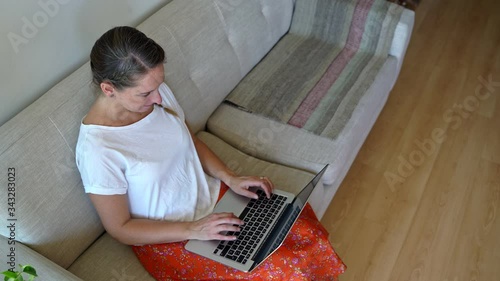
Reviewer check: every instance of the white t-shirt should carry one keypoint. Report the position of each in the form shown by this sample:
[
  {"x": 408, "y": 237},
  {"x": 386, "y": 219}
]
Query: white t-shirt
[{"x": 153, "y": 161}]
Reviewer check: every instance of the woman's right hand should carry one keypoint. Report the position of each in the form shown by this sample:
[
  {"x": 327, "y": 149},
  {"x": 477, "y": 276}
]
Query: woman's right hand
[{"x": 211, "y": 226}]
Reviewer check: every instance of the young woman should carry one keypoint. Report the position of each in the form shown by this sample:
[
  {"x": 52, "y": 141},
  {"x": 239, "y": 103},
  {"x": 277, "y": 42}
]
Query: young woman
[{"x": 154, "y": 183}]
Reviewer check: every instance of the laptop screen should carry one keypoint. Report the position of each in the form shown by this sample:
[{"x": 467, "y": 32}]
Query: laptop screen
[{"x": 304, "y": 194}]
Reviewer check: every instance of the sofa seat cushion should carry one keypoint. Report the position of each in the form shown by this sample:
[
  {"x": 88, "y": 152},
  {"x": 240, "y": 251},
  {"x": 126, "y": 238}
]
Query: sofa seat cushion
[
  {"x": 108, "y": 259},
  {"x": 285, "y": 178}
]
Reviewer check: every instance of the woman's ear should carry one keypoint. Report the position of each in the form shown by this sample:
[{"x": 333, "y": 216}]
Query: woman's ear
[{"x": 108, "y": 89}]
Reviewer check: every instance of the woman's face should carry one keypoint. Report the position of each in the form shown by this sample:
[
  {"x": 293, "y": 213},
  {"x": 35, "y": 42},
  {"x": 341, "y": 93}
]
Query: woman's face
[{"x": 143, "y": 96}]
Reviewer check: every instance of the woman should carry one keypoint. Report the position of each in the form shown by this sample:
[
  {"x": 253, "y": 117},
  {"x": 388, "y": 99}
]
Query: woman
[{"x": 152, "y": 182}]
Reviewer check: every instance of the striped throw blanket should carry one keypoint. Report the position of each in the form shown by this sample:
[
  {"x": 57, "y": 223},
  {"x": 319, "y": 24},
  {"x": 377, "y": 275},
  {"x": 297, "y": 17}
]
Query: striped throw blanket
[{"x": 316, "y": 74}]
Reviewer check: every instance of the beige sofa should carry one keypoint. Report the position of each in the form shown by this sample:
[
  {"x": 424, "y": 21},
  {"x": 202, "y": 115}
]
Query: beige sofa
[{"x": 212, "y": 46}]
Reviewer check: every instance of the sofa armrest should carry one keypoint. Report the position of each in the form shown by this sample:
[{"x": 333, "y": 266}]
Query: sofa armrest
[
  {"x": 21, "y": 254},
  {"x": 402, "y": 35}
]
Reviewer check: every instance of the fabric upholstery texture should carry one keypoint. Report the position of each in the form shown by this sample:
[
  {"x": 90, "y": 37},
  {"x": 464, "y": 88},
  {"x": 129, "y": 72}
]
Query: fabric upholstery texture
[
  {"x": 286, "y": 178},
  {"x": 55, "y": 216},
  {"x": 108, "y": 259}
]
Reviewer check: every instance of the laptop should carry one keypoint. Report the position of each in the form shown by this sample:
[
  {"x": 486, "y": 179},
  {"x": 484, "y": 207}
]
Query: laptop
[{"x": 267, "y": 223}]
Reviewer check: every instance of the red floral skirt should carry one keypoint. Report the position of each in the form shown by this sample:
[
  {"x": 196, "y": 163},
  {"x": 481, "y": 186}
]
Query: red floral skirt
[{"x": 306, "y": 254}]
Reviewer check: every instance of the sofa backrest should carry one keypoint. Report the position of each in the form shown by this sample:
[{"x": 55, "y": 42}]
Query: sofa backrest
[
  {"x": 53, "y": 215},
  {"x": 210, "y": 46}
]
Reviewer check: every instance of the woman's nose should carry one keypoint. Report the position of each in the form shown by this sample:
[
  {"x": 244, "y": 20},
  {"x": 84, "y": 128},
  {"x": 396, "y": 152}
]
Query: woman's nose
[{"x": 156, "y": 98}]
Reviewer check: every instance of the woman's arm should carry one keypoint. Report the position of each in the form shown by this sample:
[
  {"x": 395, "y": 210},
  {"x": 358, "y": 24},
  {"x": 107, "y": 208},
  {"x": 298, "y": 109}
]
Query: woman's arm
[
  {"x": 115, "y": 216},
  {"x": 216, "y": 168}
]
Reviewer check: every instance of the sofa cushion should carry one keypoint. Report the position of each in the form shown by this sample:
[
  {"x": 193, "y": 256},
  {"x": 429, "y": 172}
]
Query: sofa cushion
[
  {"x": 211, "y": 45},
  {"x": 108, "y": 259}
]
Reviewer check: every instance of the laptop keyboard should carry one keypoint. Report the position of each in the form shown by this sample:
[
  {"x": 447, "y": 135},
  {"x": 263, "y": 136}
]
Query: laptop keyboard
[{"x": 258, "y": 216}]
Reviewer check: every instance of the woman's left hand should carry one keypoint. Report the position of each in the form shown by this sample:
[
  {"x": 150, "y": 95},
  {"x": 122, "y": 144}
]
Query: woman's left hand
[{"x": 240, "y": 185}]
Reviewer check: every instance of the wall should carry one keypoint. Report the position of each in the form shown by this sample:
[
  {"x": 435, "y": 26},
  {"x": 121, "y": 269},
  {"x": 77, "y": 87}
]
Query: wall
[{"x": 42, "y": 41}]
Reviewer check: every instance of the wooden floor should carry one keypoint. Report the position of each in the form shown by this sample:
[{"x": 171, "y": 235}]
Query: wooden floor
[{"x": 422, "y": 199}]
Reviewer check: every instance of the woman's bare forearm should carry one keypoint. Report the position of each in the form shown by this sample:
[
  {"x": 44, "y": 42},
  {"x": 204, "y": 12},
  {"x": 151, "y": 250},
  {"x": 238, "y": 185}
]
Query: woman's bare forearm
[{"x": 145, "y": 231}]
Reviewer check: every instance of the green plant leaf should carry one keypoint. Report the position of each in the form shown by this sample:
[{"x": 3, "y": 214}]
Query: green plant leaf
[
  {"x": 9, "y": 274},
  {"x": 28, "y": 269}
]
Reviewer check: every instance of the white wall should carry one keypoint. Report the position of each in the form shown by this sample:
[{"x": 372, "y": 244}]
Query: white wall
[{"x": 42, "y": 41}]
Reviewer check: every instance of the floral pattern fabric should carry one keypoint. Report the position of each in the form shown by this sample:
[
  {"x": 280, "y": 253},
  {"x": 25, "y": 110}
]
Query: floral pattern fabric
[{"x": 306, "y": 254}]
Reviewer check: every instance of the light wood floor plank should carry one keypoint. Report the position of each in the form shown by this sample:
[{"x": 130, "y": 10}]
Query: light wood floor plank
[{"x": 472, "y": 258}]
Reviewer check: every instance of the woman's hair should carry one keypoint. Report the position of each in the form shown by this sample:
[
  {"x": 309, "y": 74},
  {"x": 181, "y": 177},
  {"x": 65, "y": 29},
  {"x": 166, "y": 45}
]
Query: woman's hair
[{"x": 122, "y": 55}]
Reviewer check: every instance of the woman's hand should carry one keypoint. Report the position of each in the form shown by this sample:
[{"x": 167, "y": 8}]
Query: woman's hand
[
  {"x": 211, "y": 226},
  {"x": 240, "y": 185}
]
